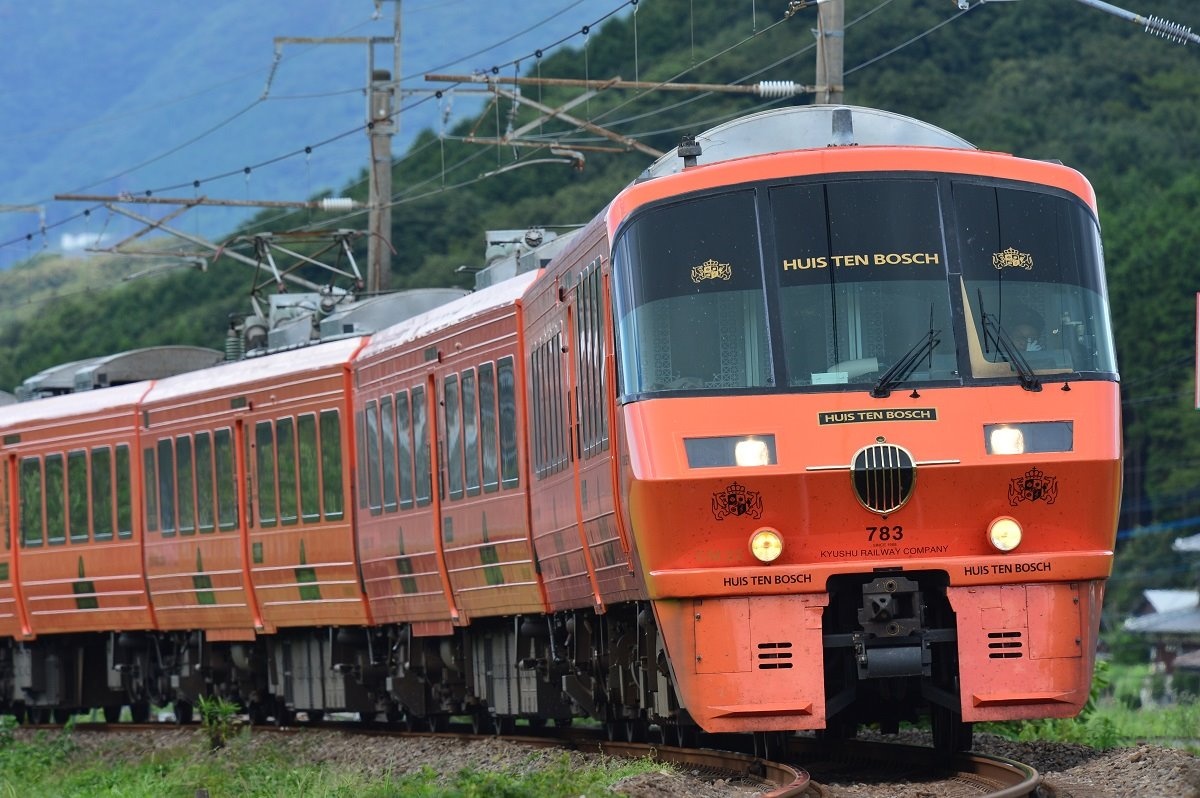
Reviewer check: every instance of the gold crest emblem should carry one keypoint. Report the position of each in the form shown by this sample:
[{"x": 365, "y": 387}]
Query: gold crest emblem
[
  {"x": 1013, "y": 259},
  {"x": 711, "y": 270}
]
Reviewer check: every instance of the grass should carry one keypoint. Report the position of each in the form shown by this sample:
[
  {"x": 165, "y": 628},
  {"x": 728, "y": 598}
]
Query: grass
[
  {"x": 53, "y": 764},
  {"x": 1115, "y": 716}
]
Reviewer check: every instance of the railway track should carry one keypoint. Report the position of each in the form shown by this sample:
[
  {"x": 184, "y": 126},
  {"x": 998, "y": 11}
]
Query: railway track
[{"x": 807, "y": 767}]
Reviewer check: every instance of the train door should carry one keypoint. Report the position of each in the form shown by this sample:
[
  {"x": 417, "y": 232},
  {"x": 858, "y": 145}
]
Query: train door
[
  {"x": 13, "y": 621},
  {"x": 436, "y": 457},
  {"x": 590, "y": 423}
]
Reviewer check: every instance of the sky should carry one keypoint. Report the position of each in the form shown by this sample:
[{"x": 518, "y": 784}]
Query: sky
[{"x": 101, "y": 98}]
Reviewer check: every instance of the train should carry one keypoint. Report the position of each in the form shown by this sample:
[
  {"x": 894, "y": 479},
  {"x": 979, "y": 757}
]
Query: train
[{"x": 815, "y": 426}]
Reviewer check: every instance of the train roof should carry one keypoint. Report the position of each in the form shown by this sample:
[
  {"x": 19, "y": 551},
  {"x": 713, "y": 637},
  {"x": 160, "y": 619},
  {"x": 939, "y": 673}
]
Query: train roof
[
  {"x": 807, "y": 127},
  {"x": 70, "y": 405},
  {"x": 256, "y": 369},
  {"x": 498, "y": 295}
]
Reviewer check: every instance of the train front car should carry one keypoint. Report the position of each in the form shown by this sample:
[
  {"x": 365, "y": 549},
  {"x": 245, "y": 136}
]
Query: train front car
[{"x": 870, "y": 416}]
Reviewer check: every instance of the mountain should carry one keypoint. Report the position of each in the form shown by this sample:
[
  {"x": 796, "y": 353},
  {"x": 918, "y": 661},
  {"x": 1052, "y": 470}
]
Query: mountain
[
  {"x": 129, "y": 96},
  {"x": 1046, "y": 79}
]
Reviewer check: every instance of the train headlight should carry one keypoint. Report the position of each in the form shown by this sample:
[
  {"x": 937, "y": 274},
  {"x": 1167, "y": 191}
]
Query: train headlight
[
  {"x": 730, "y": 450},
  {"x": 752, "y": 452},
  {"x": 766, "y": 544},
  {"x": 1004, "y": 533},
  {"x": 1029, "y": 437}
]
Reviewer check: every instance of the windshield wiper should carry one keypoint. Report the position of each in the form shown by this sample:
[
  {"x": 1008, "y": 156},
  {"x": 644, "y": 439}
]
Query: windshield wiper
[
  {"x": 1011, "y": 351},
  {"x": 907, "y": 364}
]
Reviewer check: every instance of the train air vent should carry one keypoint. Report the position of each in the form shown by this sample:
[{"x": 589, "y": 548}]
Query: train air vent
[
  {"x": 774, "y": 656},
  {"x": 883, "y": 476},
  {"x": 1005, "y": 645}
]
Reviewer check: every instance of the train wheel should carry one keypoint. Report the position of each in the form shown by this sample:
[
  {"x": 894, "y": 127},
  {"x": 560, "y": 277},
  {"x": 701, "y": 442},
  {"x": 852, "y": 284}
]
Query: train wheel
[
  {"x": 112, "y": 713},
  {"x": 438, "y": 724},
  {"x": 536, "y": 724},
  {"x": 771, "y": 745},
  {"x": 60, "y": 715},
  {"x": 504, "y": 726},
  {"x": 139, "y": 711},
  {"x": 684, "y": 735},
  {"x": 635, "y": 730},
  {"x": 481, "y": 722},
  {"x": 39, "y": 716},
  {"x": 184, "y": 712},
  {"x": 950, "y": 734},
  {"x": 315, "y": 715}
]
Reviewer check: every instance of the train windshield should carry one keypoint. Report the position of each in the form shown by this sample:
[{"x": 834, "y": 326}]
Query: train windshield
[{"x": 855, "y": 284}]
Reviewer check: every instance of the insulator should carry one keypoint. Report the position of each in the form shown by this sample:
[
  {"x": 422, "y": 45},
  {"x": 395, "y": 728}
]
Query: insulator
[
  {"x": 1171, "y": 31},
  {"x": 337, "y": 204},
  {"x": 777, "y": 88}
]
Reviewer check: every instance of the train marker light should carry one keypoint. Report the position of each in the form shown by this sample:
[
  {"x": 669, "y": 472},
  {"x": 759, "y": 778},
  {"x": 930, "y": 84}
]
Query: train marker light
[
  {"x": 1004, "y": 533},
  {"x": 766, "y": 544},
  {"x": 752, "y": 452}
]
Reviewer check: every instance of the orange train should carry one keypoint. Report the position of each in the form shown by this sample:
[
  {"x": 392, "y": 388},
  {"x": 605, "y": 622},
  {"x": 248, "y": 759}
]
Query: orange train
[{"x": 816, "y": 425}]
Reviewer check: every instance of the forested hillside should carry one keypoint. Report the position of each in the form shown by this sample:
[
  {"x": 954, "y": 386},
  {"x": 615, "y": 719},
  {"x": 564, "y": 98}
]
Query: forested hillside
[{"x": 1039, "y": 78}]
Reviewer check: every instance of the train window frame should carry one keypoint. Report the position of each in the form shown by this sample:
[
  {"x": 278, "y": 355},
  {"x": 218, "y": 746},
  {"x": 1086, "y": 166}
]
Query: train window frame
[
  {"x": 78, "y": 500},
  {"x": 185, "y": 482},
  {"x": 29, "y": 492},
  {"x": 404, "y": 453},
  {"x": 308, "y": 465},
  {"x": 489, "y": 450},
  {"x": 387, "y": 431},
  {"x": 285, "y": 465},
  {"x": 5, "y": 518},
  {"x": 55, "y": 487},
  {"x": 422, "y": 449},
  {"x": 470, "y": 425},
  {"x": 150, "y": 488},
  {"x": 374, "y": 486},
  {"x": 124, "y": 492},
  {"x": 202, "y": 451},
  {"x": 166, "y": 487},
  {"x": 590, "y": 392},
  {"x": 225, "y": 465},
  {"x": 100, "y": 483},
  {"x": 333, "y": 494},
  {"x": 453, "y": 427},
  {"x": 265, "y": 471},
  {"x": 506, "y": 396}
]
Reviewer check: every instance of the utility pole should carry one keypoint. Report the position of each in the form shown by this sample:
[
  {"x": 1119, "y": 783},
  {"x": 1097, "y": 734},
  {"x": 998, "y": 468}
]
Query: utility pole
[
  {"x": 382, "y": 124},
  {"x": 831, "y": 36},
  {"x": 380, "y": 130}
]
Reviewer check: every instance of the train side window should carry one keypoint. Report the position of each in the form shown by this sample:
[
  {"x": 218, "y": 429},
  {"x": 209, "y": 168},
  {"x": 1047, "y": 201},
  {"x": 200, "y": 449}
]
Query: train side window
[
  {"x": 310, "y": 467},
  {"x": 102, "y": 528},
  {"x": 285, "y": 443},
  {"x": 204, "y": 482},
  {"x": 31, "y": 501},
  {"x": 149, "y": 487},
  {"x": 226, "y": 480},
  {"x": 487, "y": 427},
  {"x": 331, "y": 465},
  {"x": 388, "y": 429},
  {"x": 124, "y": 494},
  {"x": 265, "y": 449},
  {"x": 424, "y": 463},
  {"x": 185, "y": 475},
  {"x": 56, "y": 520},
  {"x": 454, "y": 441},
  {"x": 360, "y": 438},
  {"x": 470, "y": 433},
  {"x": 77, "y": 495},
  {"x": 510, "y": 475},
  {"x": 4, "y": 519},
  {"x": 374, "y": 501},
  {"x": 592, "y": 411},
  {"x": 166, "y": 487},
  {"x": 405, "y": 450}
]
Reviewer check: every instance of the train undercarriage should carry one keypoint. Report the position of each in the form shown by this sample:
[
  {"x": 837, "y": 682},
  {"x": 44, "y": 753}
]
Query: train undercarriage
[{"x": 889, "y": 653}]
